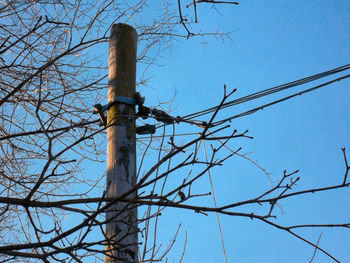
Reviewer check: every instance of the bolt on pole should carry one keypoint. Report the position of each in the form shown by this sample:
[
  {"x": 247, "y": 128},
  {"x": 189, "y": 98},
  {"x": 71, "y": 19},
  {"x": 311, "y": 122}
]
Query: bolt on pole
[{"x": 121, "y": 217}]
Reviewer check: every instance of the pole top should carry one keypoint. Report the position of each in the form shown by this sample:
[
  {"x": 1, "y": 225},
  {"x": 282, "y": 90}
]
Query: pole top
[{"x": 121, "y": 28}]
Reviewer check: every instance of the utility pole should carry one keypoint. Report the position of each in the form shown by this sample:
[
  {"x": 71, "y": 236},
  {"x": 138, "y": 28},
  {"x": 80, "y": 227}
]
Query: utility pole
[{"x": 121, "y": 227}]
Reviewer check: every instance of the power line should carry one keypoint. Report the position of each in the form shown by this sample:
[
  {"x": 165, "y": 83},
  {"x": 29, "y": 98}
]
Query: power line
[
  {"x": 189, "y": 118},
  {"x": 269, "y": 91},
  {"x": 251, "y": 111}
]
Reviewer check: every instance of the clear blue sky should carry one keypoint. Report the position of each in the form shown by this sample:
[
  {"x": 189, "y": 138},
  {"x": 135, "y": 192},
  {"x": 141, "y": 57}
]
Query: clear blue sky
[{"x": 274, "y": 42}]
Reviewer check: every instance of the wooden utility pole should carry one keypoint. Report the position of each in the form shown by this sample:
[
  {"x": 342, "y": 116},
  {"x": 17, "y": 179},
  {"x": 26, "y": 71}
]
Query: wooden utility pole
[{"x": 121, "y": 227}]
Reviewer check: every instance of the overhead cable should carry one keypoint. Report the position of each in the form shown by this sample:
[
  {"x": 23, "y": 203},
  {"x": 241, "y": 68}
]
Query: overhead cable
[
  {"x": 251, "y": 111},
  {"x": 269, "y": 91}
]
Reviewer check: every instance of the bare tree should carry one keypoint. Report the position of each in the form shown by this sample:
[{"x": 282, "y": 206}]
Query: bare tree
[{"x": 53, "y": 69}]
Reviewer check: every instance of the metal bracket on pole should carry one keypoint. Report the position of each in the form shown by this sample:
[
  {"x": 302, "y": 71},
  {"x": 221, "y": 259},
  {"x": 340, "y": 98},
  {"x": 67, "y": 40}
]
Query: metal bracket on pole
[
  {"x": 100, "y": 110},
  {"x": 122, "y": 99}
]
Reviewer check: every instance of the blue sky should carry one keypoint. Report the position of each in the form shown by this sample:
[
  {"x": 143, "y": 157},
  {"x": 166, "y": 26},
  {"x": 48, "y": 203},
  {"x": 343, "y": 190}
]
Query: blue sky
[{"x": 273, "y": 42}]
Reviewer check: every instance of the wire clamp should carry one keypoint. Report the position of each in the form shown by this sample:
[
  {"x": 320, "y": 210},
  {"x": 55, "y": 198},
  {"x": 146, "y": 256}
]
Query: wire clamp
[{"x": 146, "y": 129}]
